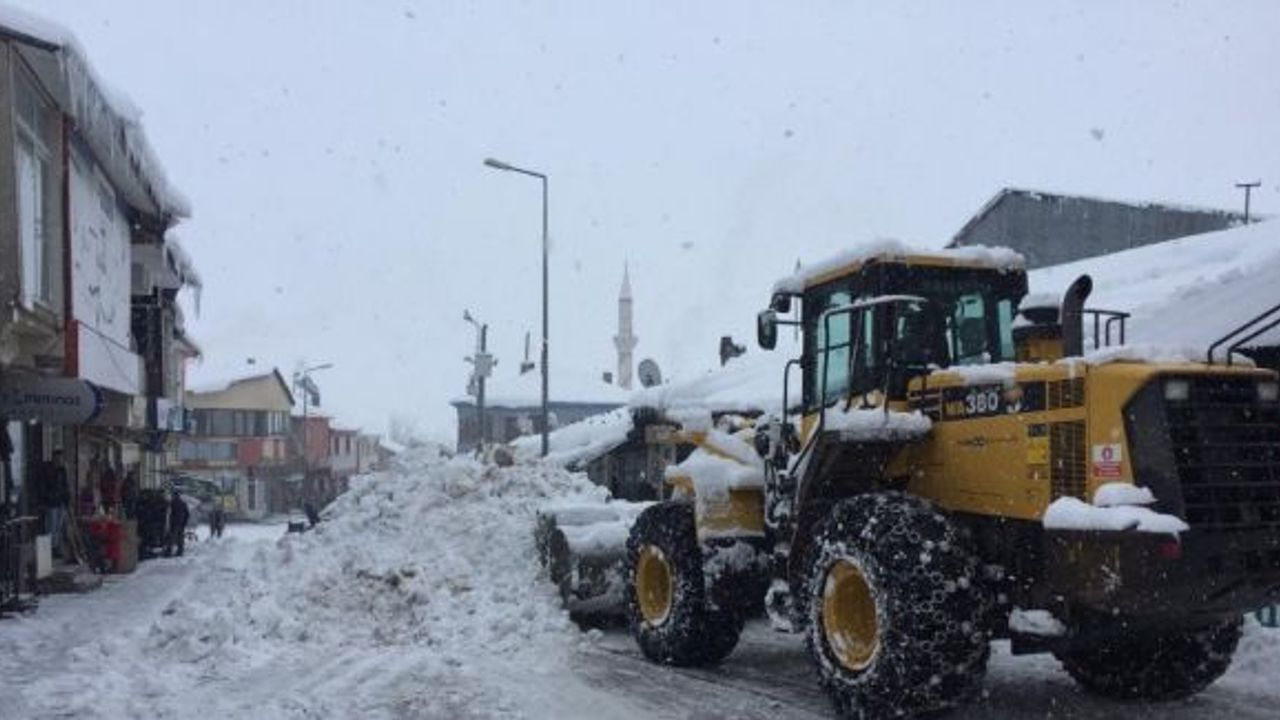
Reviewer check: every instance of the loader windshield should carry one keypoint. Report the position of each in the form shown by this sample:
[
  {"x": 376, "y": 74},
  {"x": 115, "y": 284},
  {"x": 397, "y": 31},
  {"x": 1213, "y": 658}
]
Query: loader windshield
[{"x": 967, "y": 319}]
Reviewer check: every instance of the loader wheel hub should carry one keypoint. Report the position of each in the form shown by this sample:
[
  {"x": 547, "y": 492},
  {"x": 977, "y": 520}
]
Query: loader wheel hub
[
  {"x": 653, "y": 585},
  {"x": 849, "y": 616}
]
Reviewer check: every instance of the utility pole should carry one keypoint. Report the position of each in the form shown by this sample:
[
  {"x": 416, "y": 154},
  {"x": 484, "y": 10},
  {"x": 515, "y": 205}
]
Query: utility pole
[
  {"x": 1248, "y": 190},
  {"x": 482, "y": 364}
]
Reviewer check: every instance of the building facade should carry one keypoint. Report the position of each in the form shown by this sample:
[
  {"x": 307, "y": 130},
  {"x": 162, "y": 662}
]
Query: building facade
[
  {"x": 82, "y": 194},
  {"x": 239, "y": 437},
  {"x": 1050, "y": 229}
]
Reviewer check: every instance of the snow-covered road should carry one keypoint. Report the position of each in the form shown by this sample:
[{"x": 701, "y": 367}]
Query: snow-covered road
[{"x": 419, "y": 598}]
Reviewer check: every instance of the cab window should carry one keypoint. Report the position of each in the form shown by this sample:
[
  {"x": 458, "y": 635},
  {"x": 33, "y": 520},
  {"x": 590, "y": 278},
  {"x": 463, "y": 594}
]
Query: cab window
[{"x": 832, "y": 353}]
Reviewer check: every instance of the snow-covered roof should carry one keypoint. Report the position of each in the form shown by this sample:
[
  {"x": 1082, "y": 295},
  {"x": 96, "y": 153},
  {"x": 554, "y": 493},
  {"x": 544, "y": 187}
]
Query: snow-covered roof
[
  {"x": 750, "y": 383},
  {"x": 894, "y": 250},
  {"x": 578, "y": 442},
  {"x": 1186, "y": 292},
  {"x": 105, "y": 117},
  {"x": 1006, "y": 193},
  {"x": 217, "y": 385},
  {"x": 567, "y": 385}
]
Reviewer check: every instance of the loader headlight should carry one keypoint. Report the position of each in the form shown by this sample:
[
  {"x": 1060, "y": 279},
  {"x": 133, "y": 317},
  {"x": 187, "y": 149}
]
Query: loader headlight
[
  {"x": 1177, "y": 390},
  {"x": 1268, "y": 391}
]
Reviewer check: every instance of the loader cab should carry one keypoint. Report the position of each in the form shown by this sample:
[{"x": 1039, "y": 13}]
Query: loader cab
[{"x": 869, "y": 331}]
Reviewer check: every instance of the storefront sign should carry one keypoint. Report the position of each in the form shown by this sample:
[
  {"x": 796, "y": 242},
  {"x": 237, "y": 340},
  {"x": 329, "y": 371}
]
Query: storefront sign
[{"x": 57, "y": 401}]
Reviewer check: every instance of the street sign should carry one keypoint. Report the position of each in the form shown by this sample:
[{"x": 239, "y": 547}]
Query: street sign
[{"x": 53, "y": 400}]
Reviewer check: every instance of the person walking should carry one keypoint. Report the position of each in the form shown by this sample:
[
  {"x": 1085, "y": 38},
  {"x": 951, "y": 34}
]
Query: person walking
[
  {"x": 179, "y": 513},
  {"x": 313, "y": 517},
  {"x": 55, "y": 495},
  {"x": 217, "y": 520}
]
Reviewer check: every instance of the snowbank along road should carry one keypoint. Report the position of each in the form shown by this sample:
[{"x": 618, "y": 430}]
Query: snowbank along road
[{"x": 421, "y": 596}]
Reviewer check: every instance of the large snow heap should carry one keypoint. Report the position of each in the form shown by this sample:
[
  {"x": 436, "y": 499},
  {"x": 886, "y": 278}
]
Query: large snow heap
[{"x": 434, "y": 552}]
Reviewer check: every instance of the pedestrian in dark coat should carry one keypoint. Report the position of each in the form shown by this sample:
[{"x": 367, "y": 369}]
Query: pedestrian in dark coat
[
  {"x": 55, "y": 496},
  {"x": 178, "y": 516},
  {"x": 217, "y": 520},
  {"x": 313, "y": 516}
]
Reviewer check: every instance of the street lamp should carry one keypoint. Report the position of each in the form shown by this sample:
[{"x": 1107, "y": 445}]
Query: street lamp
[
  {"x": 499, "y": 165},
  {"x": 481, "y": 367}
]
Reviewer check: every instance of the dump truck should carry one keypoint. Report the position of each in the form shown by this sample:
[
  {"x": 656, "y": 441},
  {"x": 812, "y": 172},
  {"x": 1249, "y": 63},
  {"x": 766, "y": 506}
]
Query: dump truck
[{"x": 951, "y": 468}]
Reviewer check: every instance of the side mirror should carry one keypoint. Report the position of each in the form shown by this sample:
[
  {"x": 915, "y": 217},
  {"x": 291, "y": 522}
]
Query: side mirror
[
  {"x": 767, "y": 329},
  {"x": 781, "y": 303}
]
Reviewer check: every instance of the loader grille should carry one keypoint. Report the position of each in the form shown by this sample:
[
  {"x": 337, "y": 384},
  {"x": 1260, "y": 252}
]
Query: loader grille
[
  {"x": 1226, "y": 447},
  {"x": 1065, "y": 393},
  {"x": 1066, "y": 459}
]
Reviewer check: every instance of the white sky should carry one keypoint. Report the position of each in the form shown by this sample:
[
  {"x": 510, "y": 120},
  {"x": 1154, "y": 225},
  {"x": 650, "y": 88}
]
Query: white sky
[{"x": 332, "y": 151}]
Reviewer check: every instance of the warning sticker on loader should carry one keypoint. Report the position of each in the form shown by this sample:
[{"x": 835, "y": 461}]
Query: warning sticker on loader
[{"x": 1107, "y": 459}]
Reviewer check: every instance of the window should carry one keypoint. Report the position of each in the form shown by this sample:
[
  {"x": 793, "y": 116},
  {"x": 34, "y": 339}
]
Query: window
[
  {"x": 206, "y": 451},
  {"x": 832, "y": 353},
  {"x": 968, "y": 333},
  {"x": 33, "y": 163}
]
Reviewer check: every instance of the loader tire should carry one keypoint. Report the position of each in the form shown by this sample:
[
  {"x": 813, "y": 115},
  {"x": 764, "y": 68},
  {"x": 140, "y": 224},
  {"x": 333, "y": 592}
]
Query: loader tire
[
  {"x": 667, "y": 607},
  {"x": 1167, "y": 665},
  {"x": 895, "y": 608}
]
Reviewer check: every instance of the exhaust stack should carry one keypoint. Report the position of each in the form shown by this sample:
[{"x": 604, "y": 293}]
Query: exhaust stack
[{"x": 1073, "y": 316}]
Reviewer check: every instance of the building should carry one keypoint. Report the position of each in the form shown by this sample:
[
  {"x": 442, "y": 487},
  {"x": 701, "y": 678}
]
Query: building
[
  {"x": 85, "y": 209},
  {"x": 344, "y": 457},
  {"x": 312, "y": 480},
  {"x": 239, "y": 437},
  {"x": 368, "y": 455},
  {"x": 1050, "y": 229},
  {"x": 513, "y": 405}
]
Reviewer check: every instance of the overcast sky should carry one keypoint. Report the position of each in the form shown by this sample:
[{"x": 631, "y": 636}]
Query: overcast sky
[{"x": 332, "y": 151}]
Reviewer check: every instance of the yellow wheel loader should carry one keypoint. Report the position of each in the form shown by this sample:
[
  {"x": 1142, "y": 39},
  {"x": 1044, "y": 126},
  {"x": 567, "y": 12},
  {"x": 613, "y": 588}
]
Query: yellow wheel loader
[{"x": 953, "y": 471}]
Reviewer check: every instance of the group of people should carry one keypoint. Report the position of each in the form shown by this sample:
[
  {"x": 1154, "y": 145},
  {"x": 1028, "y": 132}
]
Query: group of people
[{"x": 117, "y": 494}]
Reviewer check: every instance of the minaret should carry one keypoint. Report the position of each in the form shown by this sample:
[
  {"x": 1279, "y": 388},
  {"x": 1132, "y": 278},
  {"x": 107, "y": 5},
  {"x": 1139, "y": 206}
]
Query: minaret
[{"x": 624, "y": 341}]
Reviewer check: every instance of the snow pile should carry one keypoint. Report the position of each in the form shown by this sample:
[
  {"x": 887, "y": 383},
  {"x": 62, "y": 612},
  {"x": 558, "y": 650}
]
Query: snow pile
[
  {"x": 751, "y": 383},
  {"x": 580, "y": 442},
  {"x": 720, "y": 464},
  {"x": 889, "y": 249},
  {"x": 434, "y": 555},
  {"x": 1116, "y": 494},
  {"x": 1041, "y": 623},
  {"x": 1116, "y": 506},
  {"x": 595, "y": 529},
  {"x": 861, "y": 424},
  {"x": 1004, "y": 373}
]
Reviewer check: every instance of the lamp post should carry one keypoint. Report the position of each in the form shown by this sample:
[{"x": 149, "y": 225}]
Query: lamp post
[
  {"x": 302, "y": 378},
  {"x": 482, "y": 366},
  {"x": 499, "y": 165}
]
